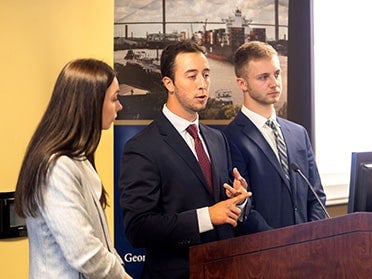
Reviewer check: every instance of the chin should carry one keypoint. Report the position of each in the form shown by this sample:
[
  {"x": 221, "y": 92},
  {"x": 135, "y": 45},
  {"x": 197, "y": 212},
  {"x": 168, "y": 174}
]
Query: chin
[
  {"x": 202, "y": 107},
  {"x": 106, "y": 127}
]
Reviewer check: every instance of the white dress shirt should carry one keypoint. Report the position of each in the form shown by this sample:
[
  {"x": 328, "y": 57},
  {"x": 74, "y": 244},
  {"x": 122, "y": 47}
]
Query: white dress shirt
[{"x": 180, "y": 124}]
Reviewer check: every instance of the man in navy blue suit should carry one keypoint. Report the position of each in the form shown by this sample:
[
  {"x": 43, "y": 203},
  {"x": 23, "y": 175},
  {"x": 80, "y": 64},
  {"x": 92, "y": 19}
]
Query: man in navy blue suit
[
  {"x": 168, "y": 202},
  {"x": 279, "y": 194}
]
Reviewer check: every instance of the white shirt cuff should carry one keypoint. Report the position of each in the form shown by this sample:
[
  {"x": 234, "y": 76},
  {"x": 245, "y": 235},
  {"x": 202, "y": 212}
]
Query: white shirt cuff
[
  {"x": 242, "y": 208},
  {"x": 204, "y": 220}
]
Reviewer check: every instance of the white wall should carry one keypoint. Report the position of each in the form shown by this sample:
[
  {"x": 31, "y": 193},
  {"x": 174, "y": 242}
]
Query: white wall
[{"x": 343, "y": 88}]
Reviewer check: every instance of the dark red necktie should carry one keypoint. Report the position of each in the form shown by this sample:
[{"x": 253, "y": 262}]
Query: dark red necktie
[{"x": 203, "y": 159}]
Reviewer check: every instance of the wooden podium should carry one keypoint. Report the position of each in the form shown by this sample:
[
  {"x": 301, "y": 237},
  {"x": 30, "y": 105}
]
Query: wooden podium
[{"x": 340, "y": 247}]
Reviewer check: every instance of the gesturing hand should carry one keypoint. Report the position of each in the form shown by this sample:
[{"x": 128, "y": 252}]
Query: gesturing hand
[{"x": 239, "y": 185}]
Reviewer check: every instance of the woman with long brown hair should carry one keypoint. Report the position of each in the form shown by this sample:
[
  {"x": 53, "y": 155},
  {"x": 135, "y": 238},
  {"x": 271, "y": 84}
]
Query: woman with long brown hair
[{"x": 59, "y": 191}]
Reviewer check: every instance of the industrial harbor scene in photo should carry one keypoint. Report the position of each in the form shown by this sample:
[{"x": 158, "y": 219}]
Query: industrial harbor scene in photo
[{"x": 144, "y": 27}]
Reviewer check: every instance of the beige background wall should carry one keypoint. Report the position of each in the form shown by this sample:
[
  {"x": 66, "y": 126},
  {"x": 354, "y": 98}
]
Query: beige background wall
[{"x": 37, "y": 39}]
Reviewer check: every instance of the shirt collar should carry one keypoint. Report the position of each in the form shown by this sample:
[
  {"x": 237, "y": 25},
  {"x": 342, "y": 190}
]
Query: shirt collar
[
  {"x": 257, "y": 119},
  {"x": 178, "y": 122}
]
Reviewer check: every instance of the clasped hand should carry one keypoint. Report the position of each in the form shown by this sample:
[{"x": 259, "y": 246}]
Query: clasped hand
[{"x": 227, "y": 212}]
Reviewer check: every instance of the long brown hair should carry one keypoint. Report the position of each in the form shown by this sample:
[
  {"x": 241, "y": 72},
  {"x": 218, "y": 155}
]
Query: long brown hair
[{"x": 70, "y": 126}]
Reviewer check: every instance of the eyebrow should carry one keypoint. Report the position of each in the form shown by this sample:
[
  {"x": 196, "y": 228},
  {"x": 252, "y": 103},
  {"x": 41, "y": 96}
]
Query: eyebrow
[
  {"x": 262, "y": 74},
  {"x": 267, "y": 73},
  {"x": 195, "y": 70},
  {"x": 191, "y": 71}
]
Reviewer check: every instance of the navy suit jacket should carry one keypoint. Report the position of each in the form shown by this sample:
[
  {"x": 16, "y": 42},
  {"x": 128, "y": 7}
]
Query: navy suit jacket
[
  {"x": 279, "y": 202},
  {"x": 162, "y": 185}
]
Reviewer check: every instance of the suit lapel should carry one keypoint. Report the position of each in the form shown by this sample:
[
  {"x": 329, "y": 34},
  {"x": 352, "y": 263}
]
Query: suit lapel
[
  {"x": 287, "y": 135},
  {"x": 251, "y": 131},
  {"x": 89, "y": 171},
  {"x": 179, "y": 146}
]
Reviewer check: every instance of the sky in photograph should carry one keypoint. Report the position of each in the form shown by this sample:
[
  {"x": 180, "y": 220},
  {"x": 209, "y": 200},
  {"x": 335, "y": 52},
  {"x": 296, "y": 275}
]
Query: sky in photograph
[{"x": 258, "y": 11}]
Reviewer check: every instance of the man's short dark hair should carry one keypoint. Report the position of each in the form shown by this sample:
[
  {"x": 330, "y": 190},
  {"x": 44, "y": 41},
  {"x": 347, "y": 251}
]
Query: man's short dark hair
[{"x": 170, "y": 52}]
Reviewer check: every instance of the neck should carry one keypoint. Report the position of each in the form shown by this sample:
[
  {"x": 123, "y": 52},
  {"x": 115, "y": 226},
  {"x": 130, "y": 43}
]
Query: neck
[
  {"x": 263, "y": 110},
  {"x": 190, "y": 116}
]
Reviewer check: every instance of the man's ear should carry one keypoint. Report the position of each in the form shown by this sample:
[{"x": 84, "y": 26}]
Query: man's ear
[
  {"x": 168, "y": 83},
  {"x": 242, "y": 84}
]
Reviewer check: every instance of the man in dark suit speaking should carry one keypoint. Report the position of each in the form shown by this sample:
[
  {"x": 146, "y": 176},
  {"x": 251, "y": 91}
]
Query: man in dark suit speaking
[
  {"x": 264, "y": 146},
  {"x": 173, "y": 173}
]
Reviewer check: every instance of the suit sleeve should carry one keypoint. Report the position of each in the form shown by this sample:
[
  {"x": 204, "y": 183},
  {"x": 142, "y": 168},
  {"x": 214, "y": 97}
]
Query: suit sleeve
[{"x": 143, "y": 197}]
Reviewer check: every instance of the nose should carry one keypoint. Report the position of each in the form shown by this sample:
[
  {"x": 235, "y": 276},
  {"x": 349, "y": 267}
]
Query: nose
[
  {"x": 203, "y": 83},
  {"x": 274, "y": 81},
  {"x": 119, "y": 106}
]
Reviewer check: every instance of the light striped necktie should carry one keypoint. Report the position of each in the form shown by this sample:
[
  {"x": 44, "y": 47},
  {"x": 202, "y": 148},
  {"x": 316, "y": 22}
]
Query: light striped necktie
[{"x": 282, "y": 148}]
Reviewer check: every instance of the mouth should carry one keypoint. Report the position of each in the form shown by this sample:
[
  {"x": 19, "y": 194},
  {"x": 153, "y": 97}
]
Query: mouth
[
  {"x": 274, "y": 93},
  {"x": 202, "y": 98}
]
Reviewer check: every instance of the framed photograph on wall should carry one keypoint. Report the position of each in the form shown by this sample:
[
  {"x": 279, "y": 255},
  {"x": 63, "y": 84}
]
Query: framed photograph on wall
[{"x": 143, "y": 28}]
